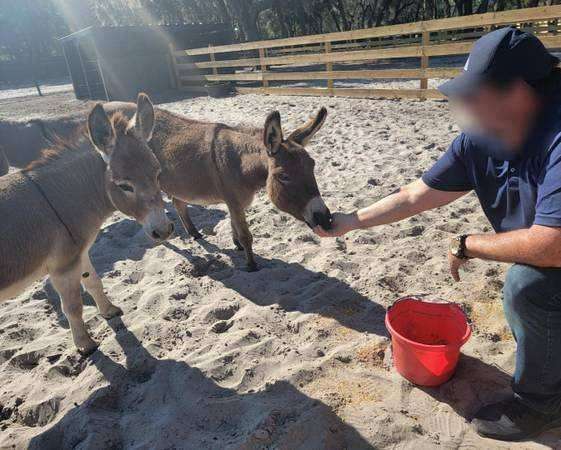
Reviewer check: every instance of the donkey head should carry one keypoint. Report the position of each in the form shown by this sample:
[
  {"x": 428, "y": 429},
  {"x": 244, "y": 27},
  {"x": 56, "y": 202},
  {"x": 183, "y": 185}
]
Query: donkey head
[
  {"x": 291, "y": 183},
  {"x": 132, "y": 168}
]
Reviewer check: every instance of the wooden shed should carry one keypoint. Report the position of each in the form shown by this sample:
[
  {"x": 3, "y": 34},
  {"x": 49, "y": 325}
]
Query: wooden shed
[{"x": 115, "y": 63}]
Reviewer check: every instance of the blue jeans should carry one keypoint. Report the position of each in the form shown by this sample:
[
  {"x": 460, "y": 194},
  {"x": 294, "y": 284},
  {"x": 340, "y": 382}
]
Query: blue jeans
[{"x": 532, "y": 304}]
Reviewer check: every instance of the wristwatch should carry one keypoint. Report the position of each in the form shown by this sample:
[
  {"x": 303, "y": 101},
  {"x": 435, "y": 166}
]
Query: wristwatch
[{"x": 458, "y": 246}]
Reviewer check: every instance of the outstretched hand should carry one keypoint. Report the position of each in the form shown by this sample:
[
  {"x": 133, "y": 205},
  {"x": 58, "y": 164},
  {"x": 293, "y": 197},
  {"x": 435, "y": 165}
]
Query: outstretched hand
[{"x": 341, "y": 224}]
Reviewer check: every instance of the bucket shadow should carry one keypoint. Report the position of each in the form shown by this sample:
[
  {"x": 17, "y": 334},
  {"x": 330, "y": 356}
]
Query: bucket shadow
[
  {"x": 162, "y": 404},
  {"x": 290, "y": 285}
]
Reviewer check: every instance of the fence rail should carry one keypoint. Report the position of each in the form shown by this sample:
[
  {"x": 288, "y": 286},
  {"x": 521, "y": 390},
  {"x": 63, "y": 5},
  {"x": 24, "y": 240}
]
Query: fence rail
[{"x": 297, "y": 58}]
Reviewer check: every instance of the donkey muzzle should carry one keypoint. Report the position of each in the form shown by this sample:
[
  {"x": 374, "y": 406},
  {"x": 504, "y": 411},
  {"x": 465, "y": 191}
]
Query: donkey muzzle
[
  {"x": 325, "y": 219},
  {"x": 158, "y": 226},
  {"x": 317, "y": 214},
  {"x": 162, "y": 234}
]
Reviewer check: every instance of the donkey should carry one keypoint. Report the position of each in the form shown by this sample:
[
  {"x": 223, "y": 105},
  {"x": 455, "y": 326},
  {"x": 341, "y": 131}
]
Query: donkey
[
  {"x": 52, "y": 210},
  {"x": 208, "y": 163},
  {"x": 22, "y": 141}
]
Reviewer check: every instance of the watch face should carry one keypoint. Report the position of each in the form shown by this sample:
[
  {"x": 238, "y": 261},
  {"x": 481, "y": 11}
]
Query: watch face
[{"x": 455, "y": 247}]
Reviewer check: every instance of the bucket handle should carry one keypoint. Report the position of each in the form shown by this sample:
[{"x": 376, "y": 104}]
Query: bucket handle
[{"x": 424, "y": 297}]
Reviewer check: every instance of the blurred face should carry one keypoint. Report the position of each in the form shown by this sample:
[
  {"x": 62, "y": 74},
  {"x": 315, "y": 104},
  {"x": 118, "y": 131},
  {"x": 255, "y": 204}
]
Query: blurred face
[{"x": 504, "y": 113}]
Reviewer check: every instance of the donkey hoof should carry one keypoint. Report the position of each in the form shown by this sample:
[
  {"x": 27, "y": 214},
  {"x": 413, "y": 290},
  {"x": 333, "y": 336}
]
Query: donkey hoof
[
  {"x": 87, "y": 349},
  {"x": 238, "y": 245},
  {"x": 112, "y": 311},
  {"x": 252, "y": 267}
]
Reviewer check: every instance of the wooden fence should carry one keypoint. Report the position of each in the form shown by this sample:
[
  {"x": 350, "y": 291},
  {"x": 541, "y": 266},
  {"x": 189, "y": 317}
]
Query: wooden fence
[{"x": 397, "y": 52}]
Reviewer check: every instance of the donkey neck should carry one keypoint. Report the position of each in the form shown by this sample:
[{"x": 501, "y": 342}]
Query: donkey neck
[
  {"x": 74, "y": 185},
  {"x": 254, "y": 160}
]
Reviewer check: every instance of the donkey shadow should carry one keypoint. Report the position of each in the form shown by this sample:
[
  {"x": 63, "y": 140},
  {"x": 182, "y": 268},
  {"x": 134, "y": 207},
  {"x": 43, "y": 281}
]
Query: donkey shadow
[
  {"x": 167, "y": 401},
  {"x": 291, "y": 286},
  {"x": 122, "y": 232}
]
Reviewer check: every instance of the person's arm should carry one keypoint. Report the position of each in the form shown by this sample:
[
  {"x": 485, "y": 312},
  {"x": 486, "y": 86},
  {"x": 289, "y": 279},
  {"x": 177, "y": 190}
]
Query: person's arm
[
  {"x": 406, "y": 202},
  {"x": 538, "y": 246}
]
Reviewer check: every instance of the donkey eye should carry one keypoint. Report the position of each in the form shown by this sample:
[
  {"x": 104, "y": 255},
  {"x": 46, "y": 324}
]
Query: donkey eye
[
  {"x": 126, "y": 187},
  {"x": 283, "y": 178}
]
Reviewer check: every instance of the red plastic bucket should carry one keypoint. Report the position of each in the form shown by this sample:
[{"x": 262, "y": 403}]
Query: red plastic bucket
[{"x": 426, "y": 339}]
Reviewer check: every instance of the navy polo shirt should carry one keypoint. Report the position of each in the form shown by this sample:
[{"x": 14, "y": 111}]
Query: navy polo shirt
[{"x": 515, "y": 190}]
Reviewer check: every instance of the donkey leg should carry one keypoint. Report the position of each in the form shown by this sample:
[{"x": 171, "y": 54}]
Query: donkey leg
[
  {"x": 183, "y": 213},
  {"x": 235, "y": 237},
  {"x": 67, "y": 284},
  {"x": 93, "y": 285},
  {"x": 244, "y": 235}
]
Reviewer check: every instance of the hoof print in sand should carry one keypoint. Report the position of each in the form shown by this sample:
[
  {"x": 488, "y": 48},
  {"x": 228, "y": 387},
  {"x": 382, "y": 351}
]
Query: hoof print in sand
[
  {"x": 222, "y": 313},
  {"x": 40, "y": 414},
  {"x": 221, "y": 326},
  {"x": 26, "y": 361},
  {"x": 200, "y": 267}
]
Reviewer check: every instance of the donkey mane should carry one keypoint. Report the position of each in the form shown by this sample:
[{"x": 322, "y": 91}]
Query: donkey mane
[{"x": 75, "y": 144}]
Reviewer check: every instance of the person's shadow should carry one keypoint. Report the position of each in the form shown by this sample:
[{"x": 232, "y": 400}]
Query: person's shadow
[
  {"x": 166, "y": 404},
  {"x": 474, "y": 385}
]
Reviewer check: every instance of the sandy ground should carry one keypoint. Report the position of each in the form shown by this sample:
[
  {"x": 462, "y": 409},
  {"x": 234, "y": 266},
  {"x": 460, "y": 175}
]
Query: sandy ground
[{"x": 295, "y": 356}]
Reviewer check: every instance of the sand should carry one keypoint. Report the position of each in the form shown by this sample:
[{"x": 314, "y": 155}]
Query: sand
[{"x": 295, "y": 356}]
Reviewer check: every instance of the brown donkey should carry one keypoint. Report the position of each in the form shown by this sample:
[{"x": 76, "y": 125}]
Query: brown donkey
[
  {"x": 208, "y": 163},
  {"x": 52, "y": 211}
]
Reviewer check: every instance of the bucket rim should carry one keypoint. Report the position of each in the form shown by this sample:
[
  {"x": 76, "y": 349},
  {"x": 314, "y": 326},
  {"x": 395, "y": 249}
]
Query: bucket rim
[{"x": 436, "y": 347}]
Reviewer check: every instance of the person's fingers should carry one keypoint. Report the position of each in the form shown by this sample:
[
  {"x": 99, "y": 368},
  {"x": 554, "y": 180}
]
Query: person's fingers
[
  {"x": 455, "y": 272},
  {"x": 454, "y": 267}
]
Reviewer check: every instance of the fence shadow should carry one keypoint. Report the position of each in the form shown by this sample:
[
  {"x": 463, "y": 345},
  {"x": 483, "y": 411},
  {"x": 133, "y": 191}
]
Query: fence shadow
[{"x": 152, "y": 403}]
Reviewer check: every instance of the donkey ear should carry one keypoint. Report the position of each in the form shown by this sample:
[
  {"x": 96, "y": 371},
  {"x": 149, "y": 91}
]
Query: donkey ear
[
  {"x": 304, "y": 134},
  {"x": 102, "y": 133},
  {"x": 144, "y": 117},
  {"x": 272, "y": 136}
]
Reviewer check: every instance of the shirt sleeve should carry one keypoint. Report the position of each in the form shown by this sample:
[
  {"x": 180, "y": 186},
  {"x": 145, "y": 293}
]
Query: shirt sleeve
[
  {"x": 548, "y": 201},
  {"x": 450, "y": 172}
]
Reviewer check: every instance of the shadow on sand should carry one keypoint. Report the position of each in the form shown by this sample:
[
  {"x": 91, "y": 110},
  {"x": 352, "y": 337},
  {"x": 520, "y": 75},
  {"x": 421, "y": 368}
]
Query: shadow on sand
[
  {"x": 476, "y": 384},
  {"x": 290, "y": 285},
  {"x": 120, "y": 233},
  {"x": 164, "y": 404}
]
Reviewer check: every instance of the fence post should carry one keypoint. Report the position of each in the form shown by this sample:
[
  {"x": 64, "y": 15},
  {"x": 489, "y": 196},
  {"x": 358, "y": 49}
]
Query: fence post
[
  {"x": 174, "y": 72},
  {"x": 329, "y": 68},
  {"x": 262, "y": 56},
  {"x": 424, "y": 61},
  {"x": 212, "y": 59}
]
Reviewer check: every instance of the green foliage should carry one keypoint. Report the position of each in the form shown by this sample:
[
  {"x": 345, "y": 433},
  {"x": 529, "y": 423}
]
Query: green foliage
[{"x": 28, "y": 26}]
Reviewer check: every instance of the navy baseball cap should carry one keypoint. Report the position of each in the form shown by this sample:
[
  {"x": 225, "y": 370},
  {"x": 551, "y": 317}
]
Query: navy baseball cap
[{"x": 501, "y": 55}]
